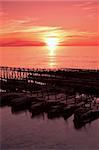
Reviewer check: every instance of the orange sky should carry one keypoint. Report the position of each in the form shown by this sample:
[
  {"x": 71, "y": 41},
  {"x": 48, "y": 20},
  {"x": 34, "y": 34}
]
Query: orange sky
[{"x": 32, "y": 22}]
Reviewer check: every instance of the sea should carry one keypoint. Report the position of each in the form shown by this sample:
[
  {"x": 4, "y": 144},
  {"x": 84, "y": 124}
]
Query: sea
[
  {"x": 85, "y": 57},
  {"x": 20, "y": 131}
]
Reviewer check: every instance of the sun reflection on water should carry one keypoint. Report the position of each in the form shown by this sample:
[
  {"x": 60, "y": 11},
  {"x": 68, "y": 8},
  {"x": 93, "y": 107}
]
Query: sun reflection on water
[{"x": 52, "y": 56}]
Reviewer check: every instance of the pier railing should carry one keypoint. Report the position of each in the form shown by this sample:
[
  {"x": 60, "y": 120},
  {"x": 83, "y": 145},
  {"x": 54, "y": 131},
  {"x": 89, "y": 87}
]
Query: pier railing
[{"x": 23, "y": 73}]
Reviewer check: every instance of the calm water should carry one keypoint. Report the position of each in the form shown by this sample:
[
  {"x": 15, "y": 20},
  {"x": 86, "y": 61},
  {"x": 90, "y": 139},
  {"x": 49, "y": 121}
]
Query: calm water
[
  {"x": 22, "y": 131},
  {"x": 51, "y": 57}
]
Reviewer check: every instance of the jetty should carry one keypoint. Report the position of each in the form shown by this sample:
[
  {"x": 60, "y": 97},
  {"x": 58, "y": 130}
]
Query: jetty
[{"x": 58, "y": 93}]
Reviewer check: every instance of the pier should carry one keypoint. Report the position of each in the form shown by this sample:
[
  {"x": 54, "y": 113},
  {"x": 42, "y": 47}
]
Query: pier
[{"x": 73, "y": 78}]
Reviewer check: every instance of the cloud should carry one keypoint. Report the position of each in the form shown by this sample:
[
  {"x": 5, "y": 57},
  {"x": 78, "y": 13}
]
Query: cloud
[
  {"x": 90, "y": 6},
  {"x": 16, "y": 25},
  {"x": 2, "y": 13},
  {"x": 25, "y": 29},
  {"x": 66, "y": 37},
  {"x": 40, "y": 29},
  {"x": 90, "y": 9}
]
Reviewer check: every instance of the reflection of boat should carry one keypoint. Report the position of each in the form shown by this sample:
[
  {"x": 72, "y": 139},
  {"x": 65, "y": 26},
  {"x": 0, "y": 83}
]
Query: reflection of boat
[
  {"x": 18, "y": 110},
  {"x": 37, "y": 114},
  {"x": 83, "y": 116}
]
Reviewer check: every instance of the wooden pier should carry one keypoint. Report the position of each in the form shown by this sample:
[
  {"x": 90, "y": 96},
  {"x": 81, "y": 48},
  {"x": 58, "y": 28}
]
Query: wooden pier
[
  {"x": 21, "y": 73},
  {"x": 77, "y": 79}
]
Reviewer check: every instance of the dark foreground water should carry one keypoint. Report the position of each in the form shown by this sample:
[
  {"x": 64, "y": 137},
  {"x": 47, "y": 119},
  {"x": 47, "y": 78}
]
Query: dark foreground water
[{"x": 20, "y": 131}]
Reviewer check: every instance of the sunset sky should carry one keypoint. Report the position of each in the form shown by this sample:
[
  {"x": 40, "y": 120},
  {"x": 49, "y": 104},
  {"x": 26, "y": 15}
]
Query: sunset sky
[{"x": 37, "y": 22}]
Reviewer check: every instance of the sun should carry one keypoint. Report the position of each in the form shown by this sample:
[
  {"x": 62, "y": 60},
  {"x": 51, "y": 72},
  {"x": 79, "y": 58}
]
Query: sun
[{"x": 52, "y": 42}]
